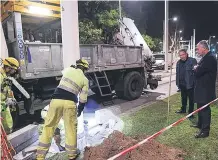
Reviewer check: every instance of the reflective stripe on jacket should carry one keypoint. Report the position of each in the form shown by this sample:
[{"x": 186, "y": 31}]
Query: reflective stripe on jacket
[
  {"x": 74, "y": 81},
  {"x": 6, "y": 91}
]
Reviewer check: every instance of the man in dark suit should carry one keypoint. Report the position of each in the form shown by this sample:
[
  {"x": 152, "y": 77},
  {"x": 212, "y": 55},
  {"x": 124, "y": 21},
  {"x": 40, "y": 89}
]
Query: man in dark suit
[
  {"x": 185, "y": 80},
  {"x": 205, "y": 87}
]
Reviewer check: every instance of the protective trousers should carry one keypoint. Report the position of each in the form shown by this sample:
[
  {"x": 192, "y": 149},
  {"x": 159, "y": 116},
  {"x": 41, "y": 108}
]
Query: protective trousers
[
  {"x": 7, "y": 121},
  {"x": 59, "y": 108}
]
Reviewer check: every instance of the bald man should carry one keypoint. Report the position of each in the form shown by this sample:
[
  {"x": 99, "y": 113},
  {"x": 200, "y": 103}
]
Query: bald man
[{"x": 205, "y": 87}]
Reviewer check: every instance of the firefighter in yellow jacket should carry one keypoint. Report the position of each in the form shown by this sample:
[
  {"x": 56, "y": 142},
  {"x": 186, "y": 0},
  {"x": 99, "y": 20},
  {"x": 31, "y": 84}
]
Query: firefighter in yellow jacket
[
  {"x": 63, "y": 105},
  {"x": 10, "y": 67}
]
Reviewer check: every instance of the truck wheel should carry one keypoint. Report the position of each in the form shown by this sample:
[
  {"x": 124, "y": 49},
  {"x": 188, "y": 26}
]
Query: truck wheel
[
  {"x": 133, "y": 85},
  {"x": 153, "y": 86}
]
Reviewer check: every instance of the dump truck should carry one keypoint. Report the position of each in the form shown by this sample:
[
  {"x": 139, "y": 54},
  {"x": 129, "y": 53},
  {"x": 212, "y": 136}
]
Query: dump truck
[{"x": 32, "y": 32}]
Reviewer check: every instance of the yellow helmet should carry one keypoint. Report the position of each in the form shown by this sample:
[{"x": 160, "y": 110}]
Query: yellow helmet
[
  {"x": 11, "y": 62},
  {"x": 82, "y": 62}
]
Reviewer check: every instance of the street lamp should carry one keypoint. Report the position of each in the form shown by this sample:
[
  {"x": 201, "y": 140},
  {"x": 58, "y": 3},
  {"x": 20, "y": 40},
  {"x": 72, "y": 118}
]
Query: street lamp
[
  {"x": 180, "y": 31},
  {"x": 210, "y": 40},
  {"x": 165, "y": 37},
  {"x": 175, "y": 19}
]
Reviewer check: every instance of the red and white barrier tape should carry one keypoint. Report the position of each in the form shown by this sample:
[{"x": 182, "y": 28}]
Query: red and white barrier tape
[{"x": 160, "y": 132}]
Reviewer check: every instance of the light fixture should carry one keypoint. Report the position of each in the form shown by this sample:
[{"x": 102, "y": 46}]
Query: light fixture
[
  {"x": 39, "y": 10},
  {"x": 180, "y": 31},
  {"x": 175, "y": 18}
]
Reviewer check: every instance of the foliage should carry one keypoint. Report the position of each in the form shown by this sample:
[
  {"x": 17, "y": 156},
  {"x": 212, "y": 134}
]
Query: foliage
[
  {"x": 90, "y": 9},
  {"x": 155, "y": 44},
  {"x": 108, "y": 19},
  {"x": 158, "y": 45},
  {"x": 149, "y": 41},
  {"x": 88, "y": 32},
  {"x": 98, "y": 20}
]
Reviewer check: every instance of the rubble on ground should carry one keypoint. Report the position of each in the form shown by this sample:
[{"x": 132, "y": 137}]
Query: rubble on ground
[{"x": 117, "y": 142}]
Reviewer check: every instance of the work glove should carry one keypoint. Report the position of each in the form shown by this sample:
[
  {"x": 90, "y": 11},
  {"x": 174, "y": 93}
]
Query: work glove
[
  {"x": 80, "y": 109},
  {"x": 11, "y": 102}
]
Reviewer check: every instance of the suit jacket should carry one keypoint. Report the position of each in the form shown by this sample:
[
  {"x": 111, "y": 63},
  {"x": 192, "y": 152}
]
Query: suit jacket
[
  {"x": 189, "y": 73},
  {"x": 205, "y": 76}
]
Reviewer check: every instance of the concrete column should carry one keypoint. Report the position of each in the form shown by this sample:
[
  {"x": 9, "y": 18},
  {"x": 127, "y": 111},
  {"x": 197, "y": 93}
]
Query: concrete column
[
  {"x": 71, "y": 52},
  {"x": 70, "y": 32},
  {"x": 191, "y": 46},
  {"x": 4, "y": 48},
  {"x": 166, "y": 35},
  {"x": 193, "y": 43}
]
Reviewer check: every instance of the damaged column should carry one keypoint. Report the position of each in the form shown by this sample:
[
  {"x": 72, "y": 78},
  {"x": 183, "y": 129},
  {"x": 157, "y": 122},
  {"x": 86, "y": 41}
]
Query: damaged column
[{"x": 71, "y": 51}]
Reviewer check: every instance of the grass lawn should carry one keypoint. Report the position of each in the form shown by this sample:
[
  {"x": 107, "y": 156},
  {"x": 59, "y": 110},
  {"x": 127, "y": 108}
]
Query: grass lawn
[{"x": 154, "y": 117}]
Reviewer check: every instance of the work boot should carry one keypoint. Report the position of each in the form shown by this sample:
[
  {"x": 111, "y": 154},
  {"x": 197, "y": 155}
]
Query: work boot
[
  {"x": 78, "y": 153},
  {"x": 202, "y": 134},
  {"x": 180, "y": 111}
]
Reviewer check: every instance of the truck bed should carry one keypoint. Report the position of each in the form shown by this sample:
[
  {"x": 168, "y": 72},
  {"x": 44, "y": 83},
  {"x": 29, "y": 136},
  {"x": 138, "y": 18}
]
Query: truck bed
[
  {"x": 111, "y": 57},
  {"x": 46, "y": 60}
]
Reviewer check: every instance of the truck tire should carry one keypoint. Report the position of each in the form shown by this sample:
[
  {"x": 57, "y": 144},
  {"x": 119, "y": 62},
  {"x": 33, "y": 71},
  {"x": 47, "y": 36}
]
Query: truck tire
[
  {"x": 153, "y": 85},
  {"x": 133, "y": 85}
]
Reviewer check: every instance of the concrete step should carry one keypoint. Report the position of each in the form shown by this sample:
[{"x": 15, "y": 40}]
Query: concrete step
[{"x": 24, "y": 137}]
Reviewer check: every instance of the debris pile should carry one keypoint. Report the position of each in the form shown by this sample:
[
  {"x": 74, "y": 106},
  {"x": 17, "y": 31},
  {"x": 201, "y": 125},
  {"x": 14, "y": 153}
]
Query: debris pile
[{"x": 117, "y": 142}]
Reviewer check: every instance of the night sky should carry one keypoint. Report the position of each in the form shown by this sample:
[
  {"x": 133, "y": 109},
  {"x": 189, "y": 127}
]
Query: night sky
[
  {"x": 148, "y": 16},
  {"x": 203, "y": 16}
]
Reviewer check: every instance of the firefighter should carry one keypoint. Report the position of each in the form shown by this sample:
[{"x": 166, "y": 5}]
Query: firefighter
[
  {"x": 10, "y": 67},
  {"x": 63, "y": 104}
]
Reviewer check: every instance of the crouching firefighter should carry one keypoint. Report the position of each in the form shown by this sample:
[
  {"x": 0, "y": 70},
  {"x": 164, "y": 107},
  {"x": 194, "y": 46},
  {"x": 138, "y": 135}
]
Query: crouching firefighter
[
  {"x": 63, "y": 105},
  {"x": 8, "y": 102}
]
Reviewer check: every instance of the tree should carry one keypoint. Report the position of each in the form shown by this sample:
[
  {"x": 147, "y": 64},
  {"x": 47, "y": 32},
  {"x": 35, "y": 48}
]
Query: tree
[
  {"x": 89, "y": 33},
  {"x": 158, "y": 45},
  {"x": 90, "y": 9},
  {"x": 100, "y": 17},
  {"x": 149, "y": 41},
  {"x": 108, "y": 20}
]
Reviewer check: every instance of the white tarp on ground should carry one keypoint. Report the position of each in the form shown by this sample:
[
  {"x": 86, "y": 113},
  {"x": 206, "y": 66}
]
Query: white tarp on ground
[
  {"x": 107, "y": 123},
  {"x": 96, "y": 135}
]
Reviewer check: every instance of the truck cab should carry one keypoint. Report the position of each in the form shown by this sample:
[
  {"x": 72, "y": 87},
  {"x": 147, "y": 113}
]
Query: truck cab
[{"x": 32, "y": 31}]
